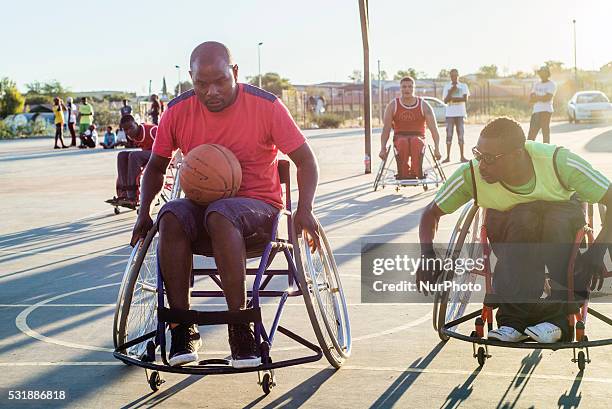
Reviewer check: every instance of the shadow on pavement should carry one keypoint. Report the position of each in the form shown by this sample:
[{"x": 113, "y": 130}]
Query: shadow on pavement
[
  {"x": 565, "y": 127},
  {"x": 394, "y": 392},
  {"x": 571, "y": 399},
  {"x": 461, "y": 393},
  {"x": 600, "y": 143},
  {"x": 520, "y": 380}
]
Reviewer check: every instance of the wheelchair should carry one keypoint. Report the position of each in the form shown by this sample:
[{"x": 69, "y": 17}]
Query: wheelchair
[
  {"x": 469, "y": 240},
  {"x": 433, "y": 174},
  {"x": 141, "y": 315},
  {"x": 167, "y": 188}
]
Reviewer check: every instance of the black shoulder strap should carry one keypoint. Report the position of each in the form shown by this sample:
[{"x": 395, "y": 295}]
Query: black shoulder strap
[
  {"x": 474, "y": 184},
  {"x": 557, "y": 169}
]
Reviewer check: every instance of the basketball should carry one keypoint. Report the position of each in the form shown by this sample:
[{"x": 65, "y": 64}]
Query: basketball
[{"x": 209, "y": 173}]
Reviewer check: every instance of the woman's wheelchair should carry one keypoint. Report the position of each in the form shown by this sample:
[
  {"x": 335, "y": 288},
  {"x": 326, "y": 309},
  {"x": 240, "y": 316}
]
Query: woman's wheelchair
[
  {"x": 141, "y": 315},
  {"x": 469, "y": 241},
  {"x": 433, "y": 174}
]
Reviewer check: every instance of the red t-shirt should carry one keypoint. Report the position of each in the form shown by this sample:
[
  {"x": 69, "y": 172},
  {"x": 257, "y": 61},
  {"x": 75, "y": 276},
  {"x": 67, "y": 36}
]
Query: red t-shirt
[
  {"x": 254, "y": 128},
  {"x": 146, "y": 136}
]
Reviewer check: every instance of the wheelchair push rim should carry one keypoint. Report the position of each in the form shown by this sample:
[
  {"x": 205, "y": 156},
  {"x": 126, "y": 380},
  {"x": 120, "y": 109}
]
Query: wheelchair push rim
[{"x": 325, "y": 301}]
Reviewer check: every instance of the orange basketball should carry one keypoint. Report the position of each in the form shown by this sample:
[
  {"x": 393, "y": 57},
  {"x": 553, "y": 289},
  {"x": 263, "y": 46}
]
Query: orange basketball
[{"x": 209, "y": 173}]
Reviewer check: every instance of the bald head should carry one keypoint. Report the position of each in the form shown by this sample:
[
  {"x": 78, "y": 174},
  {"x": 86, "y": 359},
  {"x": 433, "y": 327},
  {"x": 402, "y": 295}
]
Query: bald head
[{"x": 210, "y": 52}]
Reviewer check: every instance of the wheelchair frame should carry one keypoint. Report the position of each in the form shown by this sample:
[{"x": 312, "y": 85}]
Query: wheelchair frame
[
  {"x": 471, "y": 221},
  {"x": 300, "y": 283},
  {"x": 386, "y": 175}
]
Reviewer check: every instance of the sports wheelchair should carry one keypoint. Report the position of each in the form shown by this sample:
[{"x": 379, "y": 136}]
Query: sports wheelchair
[
  {"x": 433, "y": 174},
  {"x": 469, "y": 240},
  {"x": 141, "y": 316},
  {"x": 167, "y": 188}
]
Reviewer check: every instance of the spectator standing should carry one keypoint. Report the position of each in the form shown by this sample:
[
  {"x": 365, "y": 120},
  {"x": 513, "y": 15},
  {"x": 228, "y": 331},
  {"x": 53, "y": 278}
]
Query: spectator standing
[
  {"x": 541, "y": 97},
  {"x": 58, "y": 110},
  {"x": 155, "y": 110},
  {"x": 455, "y": 96},
  {"x": 126, "y": 109},
  {"x": 72, "y": 112},
  {"x": 86, "y": 114}
]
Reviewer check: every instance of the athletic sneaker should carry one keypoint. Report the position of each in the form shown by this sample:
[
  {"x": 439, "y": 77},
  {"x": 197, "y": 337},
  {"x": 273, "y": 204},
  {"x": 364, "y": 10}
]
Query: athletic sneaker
[
  {"x": 185, "y": 344},
  {"x": 245, "y": 352},
  {"x": 506, "y": 334},
  {"x": 544, "y": 332}
]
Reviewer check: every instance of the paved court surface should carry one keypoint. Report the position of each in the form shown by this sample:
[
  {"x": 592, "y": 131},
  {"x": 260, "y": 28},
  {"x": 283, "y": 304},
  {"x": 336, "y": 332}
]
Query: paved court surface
[{"x": 63, "y": 251}]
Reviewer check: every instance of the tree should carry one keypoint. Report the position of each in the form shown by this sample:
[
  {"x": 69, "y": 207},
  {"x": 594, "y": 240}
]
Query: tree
[
  {"x": 271, "y": 82},
  {"x": 555, "y": 67},
  {"x": 164, "y": 88},
  {"x": 444, "y": 74},
  {"x": 51, "y": 89},
  {"x": 410, "y": 72},
  {"x": 11, "y": 100},
  {"x": 356, "y": 76},
  {"x": 383, "y": 76},
  {"x": 185, "y": 86},
  {"x": 487, "y": 71}
]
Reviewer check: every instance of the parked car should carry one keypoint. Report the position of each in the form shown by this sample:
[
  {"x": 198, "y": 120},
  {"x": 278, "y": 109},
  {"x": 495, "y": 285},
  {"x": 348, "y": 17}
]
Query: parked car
[
  {"x": 438, "y": 107},
  {"x": 589, "y": 105}
]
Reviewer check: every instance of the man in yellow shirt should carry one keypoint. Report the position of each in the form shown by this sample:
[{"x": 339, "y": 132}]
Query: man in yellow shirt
[{"x": 58, "y": 110}]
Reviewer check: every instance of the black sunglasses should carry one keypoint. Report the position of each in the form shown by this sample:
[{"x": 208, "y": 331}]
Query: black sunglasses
[{"x": 488, "y": 158}]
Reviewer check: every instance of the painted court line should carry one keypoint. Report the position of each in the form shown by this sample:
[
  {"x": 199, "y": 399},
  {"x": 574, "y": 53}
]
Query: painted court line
[{"x": 360, "y": 368}]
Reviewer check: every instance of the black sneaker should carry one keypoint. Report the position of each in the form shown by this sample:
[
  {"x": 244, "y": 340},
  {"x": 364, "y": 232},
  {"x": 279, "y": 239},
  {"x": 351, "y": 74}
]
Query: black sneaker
[
  {"x": 245, "y": 353},
  {"x": 185, "y": 344}
]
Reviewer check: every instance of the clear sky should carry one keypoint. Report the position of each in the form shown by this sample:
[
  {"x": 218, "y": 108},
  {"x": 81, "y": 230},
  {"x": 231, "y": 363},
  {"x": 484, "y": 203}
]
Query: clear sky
[{"x": 121, "y": 45}]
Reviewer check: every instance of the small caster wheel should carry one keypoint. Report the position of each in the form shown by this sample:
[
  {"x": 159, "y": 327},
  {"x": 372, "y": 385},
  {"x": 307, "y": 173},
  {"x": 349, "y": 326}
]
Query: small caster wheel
[
  {"x": 481, "y": 356},
  {"x": 581, "y": 361},
  {"x": 267, "y": 383},
  {"x": 425, "y": 188},
  {"x": 155, "y": 381},
  {"x": 149, "y": 356},
  {"x": 117, "y": 211}
]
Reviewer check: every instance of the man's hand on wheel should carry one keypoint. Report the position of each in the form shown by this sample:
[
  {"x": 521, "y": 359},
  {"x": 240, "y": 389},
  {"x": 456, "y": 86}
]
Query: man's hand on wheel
[
  {"x": 141, "y": 228},
  {"x": 428, "y": 271},
  {"x": 591, "y": 270},
  {"x": 304, "y": 221}
]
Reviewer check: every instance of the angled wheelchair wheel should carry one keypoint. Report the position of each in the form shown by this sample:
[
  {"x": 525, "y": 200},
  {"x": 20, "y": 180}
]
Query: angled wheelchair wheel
[
  {"x": 324, "y": 298},
  {"x": 465, "y": 243},
  {"x": 381, "y": 170},
  {"x": 136, "y": 310}
]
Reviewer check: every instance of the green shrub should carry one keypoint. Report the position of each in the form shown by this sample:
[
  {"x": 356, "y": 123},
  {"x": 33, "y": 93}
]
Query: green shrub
[{"x": 328, "y": 121}]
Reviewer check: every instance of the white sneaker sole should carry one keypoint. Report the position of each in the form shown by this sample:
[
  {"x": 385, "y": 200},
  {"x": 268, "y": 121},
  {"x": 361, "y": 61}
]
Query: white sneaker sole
[
  {"x": 246, "y": 363},
  {"x": 183, "y": 359},
  {"x": 537, "y": 338},
  {"x": 521, "y": 338}
]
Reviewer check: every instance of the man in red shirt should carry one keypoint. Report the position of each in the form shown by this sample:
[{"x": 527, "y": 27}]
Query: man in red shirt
[
  {"x": 407, "y": 116},
  {"x": 130, "y": 163},
  {"x": 254, "y": 125}
]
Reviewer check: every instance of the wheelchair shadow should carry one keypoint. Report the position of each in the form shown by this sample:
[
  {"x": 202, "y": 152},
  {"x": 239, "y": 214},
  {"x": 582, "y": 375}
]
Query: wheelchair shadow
[
  {"x": 520, "y": 380},
  {"x": 299, "y": 395},
  {"x": 600, "y": 143},
  {"x": 156, "y": 398},
  {"x": 394, "y": 392},
  {"x": 571, "y": 399},
  {"x": 461, "y": 393}
]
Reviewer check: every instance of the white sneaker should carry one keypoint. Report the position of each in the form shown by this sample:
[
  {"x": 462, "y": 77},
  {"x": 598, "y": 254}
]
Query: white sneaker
[
  {"x": 544, "y": 332},
  {"x": 507, "y": 334}
]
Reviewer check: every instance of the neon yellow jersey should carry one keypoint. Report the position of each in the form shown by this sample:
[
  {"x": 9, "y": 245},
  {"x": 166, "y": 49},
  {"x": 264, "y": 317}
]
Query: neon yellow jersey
[
  {"x": 86, "y": 112},
  {"x": 573, "y": 175}
]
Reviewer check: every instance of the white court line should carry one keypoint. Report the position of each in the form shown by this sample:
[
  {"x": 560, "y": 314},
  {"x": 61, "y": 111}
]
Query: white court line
[
  {"x": 52, "y": 253},
  {"x": 360, "y": 368}
]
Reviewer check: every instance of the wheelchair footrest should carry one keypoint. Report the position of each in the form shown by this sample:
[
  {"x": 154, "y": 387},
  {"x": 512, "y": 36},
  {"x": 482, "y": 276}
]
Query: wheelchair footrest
[{"x": 209, "y": 317}]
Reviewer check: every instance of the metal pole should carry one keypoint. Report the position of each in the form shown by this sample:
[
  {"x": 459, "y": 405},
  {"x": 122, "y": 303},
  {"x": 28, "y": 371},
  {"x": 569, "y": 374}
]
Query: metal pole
[
  {"x": 178, "y": 70},
  {"x": 259, "y": 61},
  {"x": 150, "y": 87},
  {"x": 367, "y": 98},
  {"x": 575, "y": 59},
  {"x": 380, "y": 98}
]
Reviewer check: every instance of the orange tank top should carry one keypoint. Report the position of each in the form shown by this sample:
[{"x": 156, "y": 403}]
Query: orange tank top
[{"x": 409, "y": 120}]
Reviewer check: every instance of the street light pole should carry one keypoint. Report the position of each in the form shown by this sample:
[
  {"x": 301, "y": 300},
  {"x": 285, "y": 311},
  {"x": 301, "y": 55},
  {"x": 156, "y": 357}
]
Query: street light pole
[
  {"x": 575, "y": 59},
  {"x": 178, "y": 89},
  {"x": 259, "y": 61}
]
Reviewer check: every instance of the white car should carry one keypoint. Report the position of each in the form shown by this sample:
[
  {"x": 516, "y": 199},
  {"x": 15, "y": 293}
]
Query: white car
[
  {"x": 438, "y": 107},
  {"x": 589, "y": 105}
]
